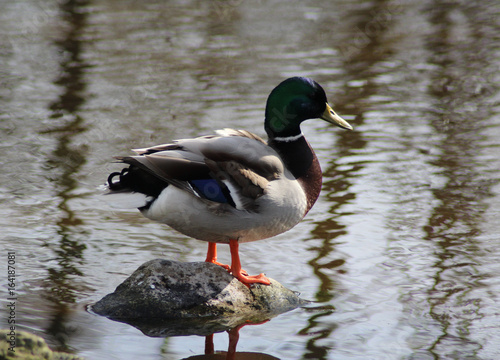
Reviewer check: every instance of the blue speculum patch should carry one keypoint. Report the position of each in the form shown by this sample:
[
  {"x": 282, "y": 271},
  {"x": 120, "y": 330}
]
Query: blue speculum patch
[{"x": 210, "y": 189}]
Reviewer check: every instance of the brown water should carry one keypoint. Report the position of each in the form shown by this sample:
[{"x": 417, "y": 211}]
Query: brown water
[{"x": 401, "y": 251}]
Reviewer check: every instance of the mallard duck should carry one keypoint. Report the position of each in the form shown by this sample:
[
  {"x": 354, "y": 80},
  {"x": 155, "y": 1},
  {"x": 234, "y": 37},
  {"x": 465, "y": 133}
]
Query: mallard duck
[{"x": 233, "y": 187}]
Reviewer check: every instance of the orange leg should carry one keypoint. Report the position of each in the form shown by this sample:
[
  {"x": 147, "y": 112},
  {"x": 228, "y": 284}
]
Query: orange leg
[
  {"x": 212, "y": 256},
  {"x": 241, "y": 274}
]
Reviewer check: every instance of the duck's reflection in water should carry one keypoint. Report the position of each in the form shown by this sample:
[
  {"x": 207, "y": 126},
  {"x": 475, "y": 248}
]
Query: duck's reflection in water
[{"x": 231, "y": 354}]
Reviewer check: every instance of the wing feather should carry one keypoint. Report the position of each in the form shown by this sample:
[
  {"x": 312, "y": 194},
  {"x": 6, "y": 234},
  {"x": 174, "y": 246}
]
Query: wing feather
[{"x": 240, "y": 162}]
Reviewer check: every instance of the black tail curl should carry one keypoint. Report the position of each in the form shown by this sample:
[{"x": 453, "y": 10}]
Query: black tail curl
[
  {"x": 134, "y": 179},
  {"x": 118, "y": 185}
]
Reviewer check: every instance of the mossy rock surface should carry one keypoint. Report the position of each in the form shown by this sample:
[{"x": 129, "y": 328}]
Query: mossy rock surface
[{"x": 29, "y": 347}]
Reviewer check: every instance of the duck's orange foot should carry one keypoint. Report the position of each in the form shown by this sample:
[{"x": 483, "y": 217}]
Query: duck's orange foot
[
  {"x": 225, "y": 266},
  {"x": 251, "y": 279}
]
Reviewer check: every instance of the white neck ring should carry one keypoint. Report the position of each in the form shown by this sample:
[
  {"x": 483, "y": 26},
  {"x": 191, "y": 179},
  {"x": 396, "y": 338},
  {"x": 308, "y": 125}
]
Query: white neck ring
[{"x": 288, "y": 138}]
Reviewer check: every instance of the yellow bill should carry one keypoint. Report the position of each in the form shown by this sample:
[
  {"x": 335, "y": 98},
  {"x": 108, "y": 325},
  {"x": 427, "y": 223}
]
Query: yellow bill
[{"x": 330, "y": 116}]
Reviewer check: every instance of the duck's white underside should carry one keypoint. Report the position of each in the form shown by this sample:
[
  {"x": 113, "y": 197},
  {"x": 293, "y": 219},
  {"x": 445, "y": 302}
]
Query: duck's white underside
[{"x": 282, "y": 206}]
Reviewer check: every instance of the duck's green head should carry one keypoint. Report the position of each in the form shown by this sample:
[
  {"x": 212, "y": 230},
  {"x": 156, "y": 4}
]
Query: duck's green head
[{"x": 294, "y": 100}]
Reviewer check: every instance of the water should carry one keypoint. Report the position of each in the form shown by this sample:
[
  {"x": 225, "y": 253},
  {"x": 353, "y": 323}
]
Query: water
[{"x": 401, "y": 250}]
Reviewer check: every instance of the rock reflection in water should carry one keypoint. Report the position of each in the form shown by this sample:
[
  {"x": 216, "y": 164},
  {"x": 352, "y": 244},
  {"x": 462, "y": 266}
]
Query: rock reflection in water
[{"x": 207, "y": 329}]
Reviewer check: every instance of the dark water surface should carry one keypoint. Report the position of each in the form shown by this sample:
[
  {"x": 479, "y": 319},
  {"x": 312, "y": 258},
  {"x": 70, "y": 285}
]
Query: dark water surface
[{"x": 402, "y": 250}]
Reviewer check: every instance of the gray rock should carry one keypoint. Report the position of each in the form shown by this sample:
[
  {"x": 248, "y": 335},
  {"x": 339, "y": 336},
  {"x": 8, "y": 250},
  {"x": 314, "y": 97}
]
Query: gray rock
[{"x": 168, "y": 298}]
